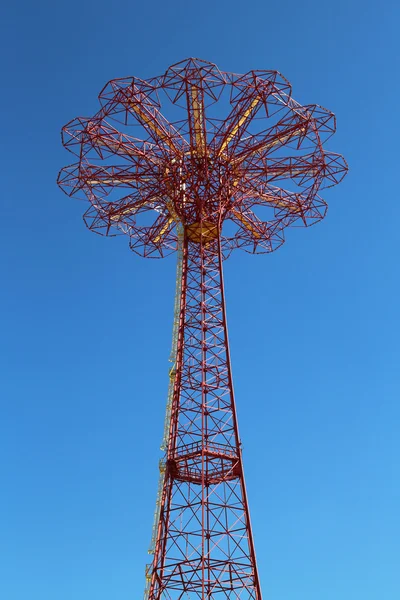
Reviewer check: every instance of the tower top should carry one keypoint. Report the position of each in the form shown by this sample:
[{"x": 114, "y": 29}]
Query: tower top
[{"x": 204, "y": 151}]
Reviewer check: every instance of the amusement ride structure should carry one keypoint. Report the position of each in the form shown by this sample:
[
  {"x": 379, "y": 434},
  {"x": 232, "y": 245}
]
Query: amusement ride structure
[{"x": 198, "y": 161}]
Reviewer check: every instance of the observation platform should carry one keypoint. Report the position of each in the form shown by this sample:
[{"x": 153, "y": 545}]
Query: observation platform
[{"x": 204, "y": 463}]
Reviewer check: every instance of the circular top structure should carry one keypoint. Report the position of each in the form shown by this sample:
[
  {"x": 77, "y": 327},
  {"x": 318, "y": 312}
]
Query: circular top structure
[{"x": 205, "y": 152}]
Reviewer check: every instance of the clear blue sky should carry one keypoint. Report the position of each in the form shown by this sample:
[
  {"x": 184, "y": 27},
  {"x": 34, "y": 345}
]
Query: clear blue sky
[{"x": 86, "y": 325}]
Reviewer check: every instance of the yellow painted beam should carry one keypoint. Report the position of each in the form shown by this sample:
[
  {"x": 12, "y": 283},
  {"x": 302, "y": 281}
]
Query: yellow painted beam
[
  {"x": 293, "y": 172},
  {"x": 172, "y": 211},
  {"x": 115, "y": 146},
  {"x": 281, "y": 139},
  {"x": 279, "y": 203},
  {"x": 128, "y": 211},
  {"x": 241, "y": 121},
  {"x": 120, "y": 147},
  {"x": 246, "y": 223},
  {"x": 198, "y": 120},
  {"x": 163, "y": 230},
  {"x": 101, "y": 181},
  {"x": 152, "y": 123}
]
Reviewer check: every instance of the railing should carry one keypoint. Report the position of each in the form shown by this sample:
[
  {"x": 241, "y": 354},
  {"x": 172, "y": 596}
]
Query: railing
[{"x": 209, "y": 448}]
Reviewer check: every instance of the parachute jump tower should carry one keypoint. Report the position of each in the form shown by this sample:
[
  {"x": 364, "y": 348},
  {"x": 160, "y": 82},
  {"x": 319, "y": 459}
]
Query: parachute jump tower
[{"x": 201, "y": 162}]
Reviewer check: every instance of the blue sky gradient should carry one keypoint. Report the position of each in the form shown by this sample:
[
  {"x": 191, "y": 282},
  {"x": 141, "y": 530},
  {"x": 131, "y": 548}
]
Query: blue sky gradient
[{"x": 86, "y": 325}]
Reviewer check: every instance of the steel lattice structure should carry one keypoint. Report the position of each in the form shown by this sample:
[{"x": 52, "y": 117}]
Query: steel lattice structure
[{"x": 237, "y": 161}]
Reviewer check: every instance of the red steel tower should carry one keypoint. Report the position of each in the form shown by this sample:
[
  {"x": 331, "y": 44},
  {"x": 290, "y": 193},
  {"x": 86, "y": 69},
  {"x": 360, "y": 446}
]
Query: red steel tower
[{"x": 207, "y": 180}]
